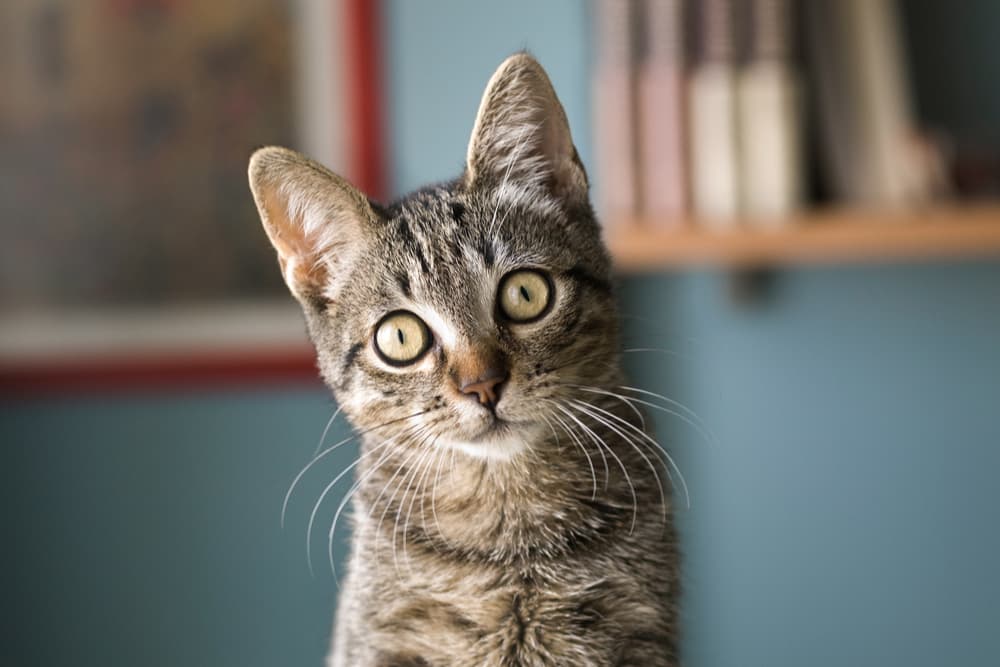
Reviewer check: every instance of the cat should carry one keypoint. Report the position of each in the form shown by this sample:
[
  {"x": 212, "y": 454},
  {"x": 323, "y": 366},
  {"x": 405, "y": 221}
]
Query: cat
[{"x": 508, "y": 509}]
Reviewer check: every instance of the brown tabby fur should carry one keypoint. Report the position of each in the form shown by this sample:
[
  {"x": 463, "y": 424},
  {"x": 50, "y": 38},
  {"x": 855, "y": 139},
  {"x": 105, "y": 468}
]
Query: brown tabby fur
[{"x": 524, "y": 546}]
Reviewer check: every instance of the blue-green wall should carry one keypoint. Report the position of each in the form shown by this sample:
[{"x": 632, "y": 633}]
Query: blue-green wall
[
  {"x": 145, "y": 531},
  {"x": 846, "y": 515}
]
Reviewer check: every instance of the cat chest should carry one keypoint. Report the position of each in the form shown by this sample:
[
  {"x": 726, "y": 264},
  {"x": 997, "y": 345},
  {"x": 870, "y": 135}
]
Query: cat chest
[{"x": 510, "y": 625}]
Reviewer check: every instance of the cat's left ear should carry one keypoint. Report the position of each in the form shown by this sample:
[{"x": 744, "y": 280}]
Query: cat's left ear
[{"x": 521, "y": 137}]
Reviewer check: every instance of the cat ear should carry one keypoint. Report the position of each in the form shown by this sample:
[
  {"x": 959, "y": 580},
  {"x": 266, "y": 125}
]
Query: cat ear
[
  {"x": 314, "y": 218},
  {"x": 521, "y": 137}
]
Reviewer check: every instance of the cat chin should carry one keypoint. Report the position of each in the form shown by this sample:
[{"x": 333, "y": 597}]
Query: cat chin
[{"x": 497, "y": 447}]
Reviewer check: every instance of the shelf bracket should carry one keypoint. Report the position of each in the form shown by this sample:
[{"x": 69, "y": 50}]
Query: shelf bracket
[{"x": 751, "y": 286}]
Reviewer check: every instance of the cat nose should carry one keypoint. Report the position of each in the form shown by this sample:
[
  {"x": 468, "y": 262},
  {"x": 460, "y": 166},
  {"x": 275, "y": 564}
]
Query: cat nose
[
  {"x": 486, "y": 388},
  {"x": 479, "y": 371}
]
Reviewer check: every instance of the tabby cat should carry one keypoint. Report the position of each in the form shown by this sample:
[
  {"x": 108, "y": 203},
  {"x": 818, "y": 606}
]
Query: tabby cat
[{"x": 508, "y": 506}]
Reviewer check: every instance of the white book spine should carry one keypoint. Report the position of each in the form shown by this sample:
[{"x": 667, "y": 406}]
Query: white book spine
[
  {"x": 771, "y": 163},
  {"x": 714, "y": 145},
  {"x": 885, "y": 101},
  {"x": 770, "y": 135}
]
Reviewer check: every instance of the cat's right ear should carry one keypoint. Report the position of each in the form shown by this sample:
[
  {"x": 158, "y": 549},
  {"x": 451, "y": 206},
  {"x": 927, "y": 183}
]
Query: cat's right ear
[{"x": 314, "y": 218}]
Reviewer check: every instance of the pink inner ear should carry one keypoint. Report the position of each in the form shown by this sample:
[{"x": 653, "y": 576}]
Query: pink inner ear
[
  {"x": 313, "y": 217},
  {"x": 300, "y": 264}
]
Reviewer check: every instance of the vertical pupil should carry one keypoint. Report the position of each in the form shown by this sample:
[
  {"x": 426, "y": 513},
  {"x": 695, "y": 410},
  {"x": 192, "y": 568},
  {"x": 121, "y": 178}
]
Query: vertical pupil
[
  {"x": 400, "y": 336},
  {"x": 524, "y": 294}
]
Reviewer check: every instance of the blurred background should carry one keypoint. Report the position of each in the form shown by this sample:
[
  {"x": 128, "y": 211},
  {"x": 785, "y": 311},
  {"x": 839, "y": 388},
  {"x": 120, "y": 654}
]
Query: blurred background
[{"x": 801, "y": 198}]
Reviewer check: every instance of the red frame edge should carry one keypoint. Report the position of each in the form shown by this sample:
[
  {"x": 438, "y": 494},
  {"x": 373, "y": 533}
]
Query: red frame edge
[
  {"x": 362, "y": 23},
  {"x": 196, "y": 371}
]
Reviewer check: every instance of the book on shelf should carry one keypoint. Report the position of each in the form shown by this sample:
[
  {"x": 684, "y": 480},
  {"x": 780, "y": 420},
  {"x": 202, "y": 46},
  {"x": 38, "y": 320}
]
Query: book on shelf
[
  {"x": 714, "y": 148},
  {"x": 702, "y": 107},
  {"x": 864, "y": 108},
  {"x": 771, "y": 166},
  {"x": 662, "y": 101},
  {"x": 614, "y": 109}
]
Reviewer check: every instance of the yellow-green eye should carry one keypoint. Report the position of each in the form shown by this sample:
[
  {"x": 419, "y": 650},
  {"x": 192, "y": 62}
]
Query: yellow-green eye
[
  {"x": 524, "y": 295},
  {"x": 401, "y": 338}
]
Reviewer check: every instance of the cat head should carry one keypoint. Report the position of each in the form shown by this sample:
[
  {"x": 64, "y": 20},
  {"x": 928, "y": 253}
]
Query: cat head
[{"x": 462, "y": 314}]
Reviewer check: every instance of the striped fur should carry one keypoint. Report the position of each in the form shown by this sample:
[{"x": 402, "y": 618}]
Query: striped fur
[{"x": 531, "y": 546}]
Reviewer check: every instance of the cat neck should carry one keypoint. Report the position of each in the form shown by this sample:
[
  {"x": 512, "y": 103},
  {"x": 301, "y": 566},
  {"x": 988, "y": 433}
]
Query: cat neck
[{"x": 546, "y": 500}]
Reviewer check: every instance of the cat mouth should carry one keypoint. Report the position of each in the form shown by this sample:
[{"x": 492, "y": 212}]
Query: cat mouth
[{"x": 496, "y": 428}]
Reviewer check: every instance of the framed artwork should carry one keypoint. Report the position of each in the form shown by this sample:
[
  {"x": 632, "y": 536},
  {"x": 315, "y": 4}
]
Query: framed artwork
[{"x": 126, "y": 224}]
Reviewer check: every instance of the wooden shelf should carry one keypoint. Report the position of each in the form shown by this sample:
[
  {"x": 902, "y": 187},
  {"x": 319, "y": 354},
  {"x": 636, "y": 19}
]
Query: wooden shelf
[{"x": 821, "y": 237}]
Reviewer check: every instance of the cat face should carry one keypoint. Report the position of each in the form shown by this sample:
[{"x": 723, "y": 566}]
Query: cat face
[{"x": 460, "y": 314}]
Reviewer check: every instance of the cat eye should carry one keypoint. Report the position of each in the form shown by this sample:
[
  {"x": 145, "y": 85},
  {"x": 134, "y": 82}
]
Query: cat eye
[
  {"x": 401, "y": 338},
  {"x": 524, "y": 295}
]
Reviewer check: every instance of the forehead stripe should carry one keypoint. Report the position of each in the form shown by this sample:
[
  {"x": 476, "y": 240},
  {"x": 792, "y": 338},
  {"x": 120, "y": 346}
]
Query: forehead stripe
[
  {"x": 404, "y": 285},
  {"x": 410, "y": 243},
  {"x": 487, "y": 251}
]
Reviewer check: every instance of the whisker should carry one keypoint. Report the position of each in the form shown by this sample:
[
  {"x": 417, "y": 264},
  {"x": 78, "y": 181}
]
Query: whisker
[
  {"x": 437, "y": 475},
  {"x": 659, "y": 448},
  {"x": 702, "y": 431},
  {"x": 585, "y": 408},
  {"x": 604, "y": 459},
  {"x": 343, "y": 503},
  {"x": 291, "y": 488},
  {"x": 601, "y": 443},
  {"x": 655, "y": 446},
  {"x": 433, "y": 453},
  {"x": 322, "y": 438},
  {"x": 696, "y": 424},
  {"x": 326, "y": 491},
  {"x": 697, "y": 420},
  {"x": 318, "y": 457},
  {"x": 555, "y": 435},
  {"x": 624, "y": 399},
  {"x": 417, "y": 449},
  {"x": 410, "y": 475},
  {"x": 590, "y": 462}
]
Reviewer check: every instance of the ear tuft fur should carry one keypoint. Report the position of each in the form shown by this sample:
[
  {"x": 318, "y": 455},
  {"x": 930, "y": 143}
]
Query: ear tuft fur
[
  {"x": 315, "y": 219},
  {"x": 521, "y": 137}
]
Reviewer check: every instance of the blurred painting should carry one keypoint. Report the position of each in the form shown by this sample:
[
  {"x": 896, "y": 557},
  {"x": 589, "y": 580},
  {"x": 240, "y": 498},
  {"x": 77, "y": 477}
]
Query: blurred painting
[{"x": 125, "y": 128}]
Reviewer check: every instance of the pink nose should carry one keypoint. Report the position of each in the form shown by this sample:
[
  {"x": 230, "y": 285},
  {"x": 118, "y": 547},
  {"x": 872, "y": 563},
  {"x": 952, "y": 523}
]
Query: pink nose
[{"x": 486, "y": 389}]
